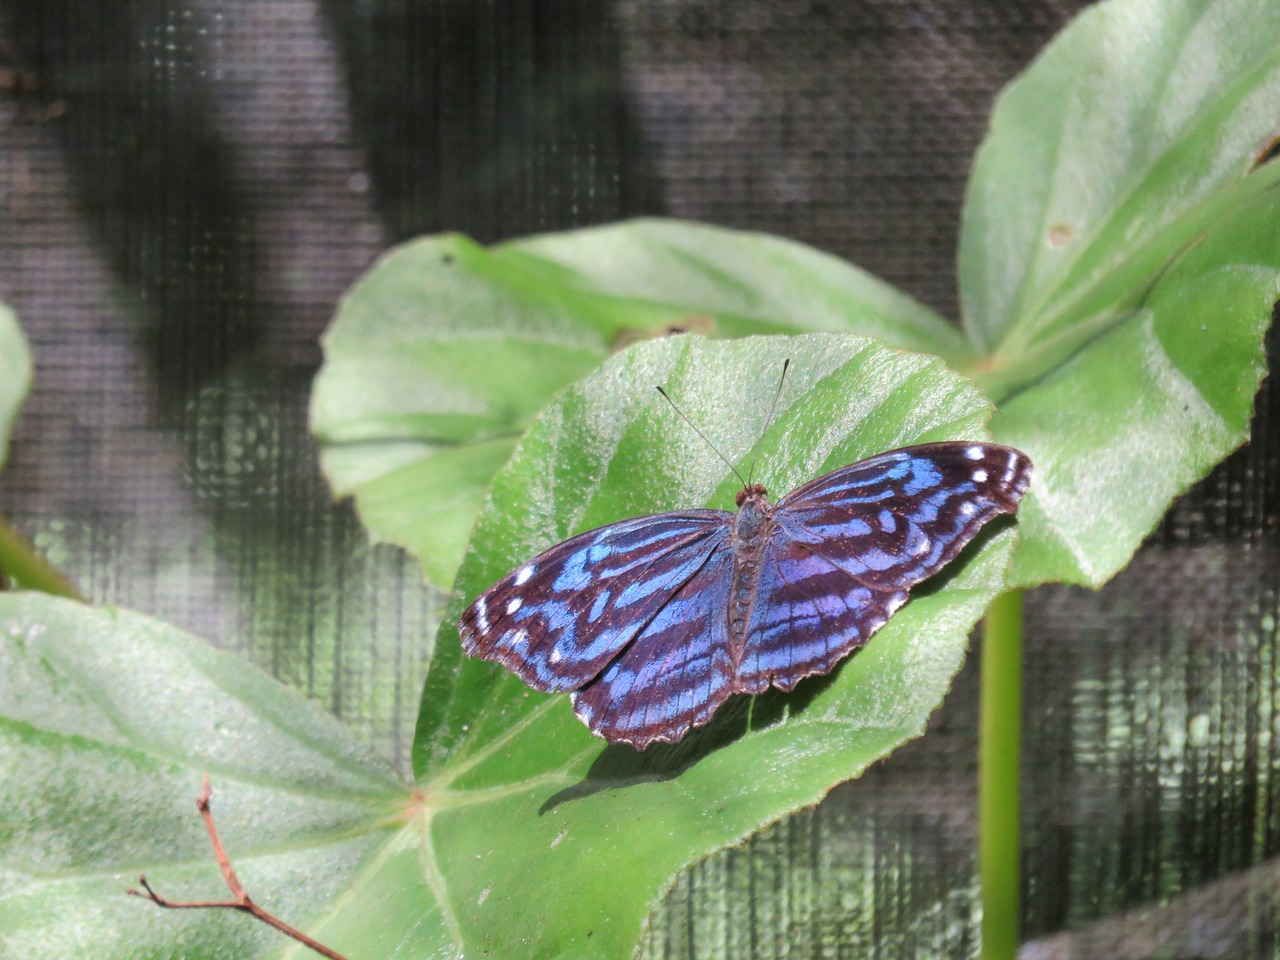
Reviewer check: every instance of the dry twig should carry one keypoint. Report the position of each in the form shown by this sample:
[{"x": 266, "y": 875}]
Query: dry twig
[{"x": 242, "y": 901}]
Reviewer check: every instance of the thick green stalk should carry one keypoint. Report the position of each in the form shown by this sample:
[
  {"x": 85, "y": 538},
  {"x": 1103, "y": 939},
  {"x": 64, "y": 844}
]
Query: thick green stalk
[
  {"x": 999, "y": 735},
  {"x": 27, "y": 570}
]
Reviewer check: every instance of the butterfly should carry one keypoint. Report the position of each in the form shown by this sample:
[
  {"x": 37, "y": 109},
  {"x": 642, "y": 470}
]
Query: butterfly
[{"x": 652, "y": 623}]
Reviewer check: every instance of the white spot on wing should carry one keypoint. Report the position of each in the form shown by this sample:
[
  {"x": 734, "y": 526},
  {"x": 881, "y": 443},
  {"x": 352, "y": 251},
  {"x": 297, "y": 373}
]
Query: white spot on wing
[
  {"x": 482, "y": 614},
  {"x": 979, "y": 476},
  {"x": 555, "y": 656},
  {"x": 1009, "y": 469},
  {"x": 968, "y": 509},
  {"x": 514, "y": 604},
  {"x": 922, "y": 546},
  {"x": 974, "y": 453},
  {"x": 523, "y": 576}
]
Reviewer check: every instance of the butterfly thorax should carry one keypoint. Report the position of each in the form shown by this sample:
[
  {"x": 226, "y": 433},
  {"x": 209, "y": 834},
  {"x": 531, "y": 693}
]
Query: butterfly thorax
[
  {"x": 750, "y": 528},
  {"x": 754, "y": 492}
]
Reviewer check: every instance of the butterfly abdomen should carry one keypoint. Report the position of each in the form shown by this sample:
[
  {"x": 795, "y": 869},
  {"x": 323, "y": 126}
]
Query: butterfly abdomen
[{"x": 750, "y": 528}]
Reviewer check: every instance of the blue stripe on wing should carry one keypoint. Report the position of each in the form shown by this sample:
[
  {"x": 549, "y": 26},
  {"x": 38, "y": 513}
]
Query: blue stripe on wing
[{"x": 561, "y": 618}]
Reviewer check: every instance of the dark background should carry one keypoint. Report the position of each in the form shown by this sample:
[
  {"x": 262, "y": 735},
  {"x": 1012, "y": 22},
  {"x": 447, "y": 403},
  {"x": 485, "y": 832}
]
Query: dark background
[{"x": 187, "y": 188}]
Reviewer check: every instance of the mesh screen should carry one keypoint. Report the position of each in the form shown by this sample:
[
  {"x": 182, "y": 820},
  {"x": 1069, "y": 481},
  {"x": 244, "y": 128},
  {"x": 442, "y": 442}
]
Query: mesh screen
[{"x": 186, "y": 189}]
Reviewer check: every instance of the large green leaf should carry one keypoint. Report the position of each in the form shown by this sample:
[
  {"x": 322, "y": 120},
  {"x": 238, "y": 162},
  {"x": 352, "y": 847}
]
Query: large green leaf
[
  {"x": 1148, "y": 408},
  {"x": 1118, "y": 266},
  {"x": 1131, "y": 134},
  {"x": 441, "y": 355},
  {"x": 107, "y": 722},
  {"x": 590, "y": 835},
  {"x": 15, "y": 375}
]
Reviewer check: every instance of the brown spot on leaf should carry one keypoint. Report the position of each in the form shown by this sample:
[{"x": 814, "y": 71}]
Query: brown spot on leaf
[{"x": 1060, "y": 235}]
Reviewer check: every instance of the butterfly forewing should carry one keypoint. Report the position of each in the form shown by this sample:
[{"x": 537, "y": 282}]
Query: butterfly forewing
[
  {"x": 557, "y": 621},
  {"x": 892, "y": 520}
]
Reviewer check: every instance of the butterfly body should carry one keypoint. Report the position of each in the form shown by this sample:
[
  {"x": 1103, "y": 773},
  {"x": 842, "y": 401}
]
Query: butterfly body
[
  {"x": 651, "y": 623},
  {"x": 755, "y": 514}
]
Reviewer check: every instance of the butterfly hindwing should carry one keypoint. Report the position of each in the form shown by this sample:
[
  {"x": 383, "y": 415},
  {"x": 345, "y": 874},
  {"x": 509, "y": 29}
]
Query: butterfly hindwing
[
  {"x": 808, "y": 615},
  {"x": 675, "y": 673},
  {"x": 559, "y": 620},
  {"x": 894, "y": 519}
]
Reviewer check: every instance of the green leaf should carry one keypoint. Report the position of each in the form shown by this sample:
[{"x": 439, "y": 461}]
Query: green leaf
[
  {"x": 107, "y": 722},
  {"x": 20, "y": 565},
  {"x": 441, "y": 355},
  {"x": 550, "y": 843},
  {"x": 1149, "y": 408},
  {"x": 15, "y": 375},
  {"x": 1101, "y": 167},
  {"x": 1118, "y": 265}
]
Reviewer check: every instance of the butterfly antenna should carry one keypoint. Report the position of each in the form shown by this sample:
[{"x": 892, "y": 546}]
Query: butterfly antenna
[
  {"x": 772, "y": 410},
  {"x": 702, "y": 435}
]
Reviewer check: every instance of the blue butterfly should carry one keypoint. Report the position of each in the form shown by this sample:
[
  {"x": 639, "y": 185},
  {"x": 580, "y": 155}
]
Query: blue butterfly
[{"x": 654, "y": 622}]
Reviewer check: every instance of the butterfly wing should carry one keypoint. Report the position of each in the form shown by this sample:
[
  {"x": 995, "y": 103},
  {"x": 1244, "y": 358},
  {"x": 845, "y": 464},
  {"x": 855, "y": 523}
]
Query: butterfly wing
[
  {"x": 559, "y": 620},
  {"x": 894, "y": 519},
  {"x": 677, "y": 671},
  {"x": 847, "y": 546},
  {"x": 808, "y": 615}
]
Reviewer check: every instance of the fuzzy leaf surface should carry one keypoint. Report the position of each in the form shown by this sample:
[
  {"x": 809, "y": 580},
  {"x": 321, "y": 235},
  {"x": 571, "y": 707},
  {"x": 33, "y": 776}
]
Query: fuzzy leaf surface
[
  {"x": 108, "y": 720},
  {"x": 1119, "y": 260}
]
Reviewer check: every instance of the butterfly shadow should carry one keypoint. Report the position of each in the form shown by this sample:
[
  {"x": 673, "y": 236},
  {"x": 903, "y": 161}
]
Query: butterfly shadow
[{"x": 620, "y": 766}]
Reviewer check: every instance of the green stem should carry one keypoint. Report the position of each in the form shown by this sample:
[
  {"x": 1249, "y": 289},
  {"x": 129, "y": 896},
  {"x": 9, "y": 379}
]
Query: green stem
[
  {"x": 27, "y": 570},
  {"x": 999, "y": 734}
]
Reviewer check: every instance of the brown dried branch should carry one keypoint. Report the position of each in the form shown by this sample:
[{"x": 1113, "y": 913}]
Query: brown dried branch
[{"x": 242, "y": 901}]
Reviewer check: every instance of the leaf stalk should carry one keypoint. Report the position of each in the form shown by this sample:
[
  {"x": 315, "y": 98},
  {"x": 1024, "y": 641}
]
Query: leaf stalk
[{"x": 999, "y": 739}]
